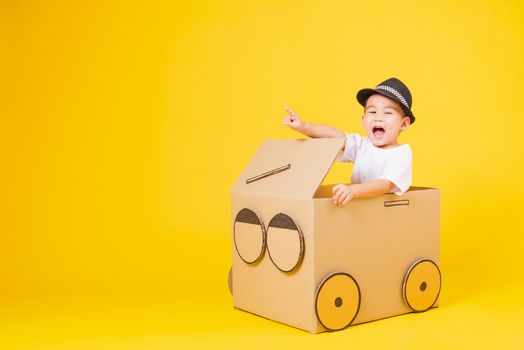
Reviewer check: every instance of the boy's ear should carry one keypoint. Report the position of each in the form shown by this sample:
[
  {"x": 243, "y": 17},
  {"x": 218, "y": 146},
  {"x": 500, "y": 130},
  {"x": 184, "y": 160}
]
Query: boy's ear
[{"x": 406, "y": 122}]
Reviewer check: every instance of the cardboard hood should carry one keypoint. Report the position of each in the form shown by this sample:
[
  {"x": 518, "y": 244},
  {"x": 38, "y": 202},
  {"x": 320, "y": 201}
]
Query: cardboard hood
[{"x": 288, "y": 168}]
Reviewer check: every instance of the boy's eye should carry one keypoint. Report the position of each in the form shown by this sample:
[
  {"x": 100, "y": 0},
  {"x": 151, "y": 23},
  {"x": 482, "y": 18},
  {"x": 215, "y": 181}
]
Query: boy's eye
[
  {"x": 389, "y": 113},
  {"x": 372, "y": 112}
]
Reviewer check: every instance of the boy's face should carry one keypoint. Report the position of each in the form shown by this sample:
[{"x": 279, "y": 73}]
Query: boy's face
[{"x": 383, "y": 120}]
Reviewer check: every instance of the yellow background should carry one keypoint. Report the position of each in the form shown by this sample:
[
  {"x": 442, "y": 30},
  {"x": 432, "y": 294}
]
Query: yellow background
[{"x": 124, "y": 125}]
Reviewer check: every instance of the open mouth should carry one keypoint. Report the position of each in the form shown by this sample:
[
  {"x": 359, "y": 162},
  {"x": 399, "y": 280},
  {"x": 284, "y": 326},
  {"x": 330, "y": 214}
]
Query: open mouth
[{"x": 378, "y": 131}]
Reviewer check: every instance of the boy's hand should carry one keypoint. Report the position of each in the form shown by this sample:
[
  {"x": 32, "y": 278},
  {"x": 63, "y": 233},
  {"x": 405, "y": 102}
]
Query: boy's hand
[
  {"x": 342, "y": 194},
  {"x": 293, "y": 120}
]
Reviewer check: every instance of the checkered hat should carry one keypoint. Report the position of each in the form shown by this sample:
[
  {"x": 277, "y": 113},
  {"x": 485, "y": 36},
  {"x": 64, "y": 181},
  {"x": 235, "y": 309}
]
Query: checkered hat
[{"x": 395, "y": 90}]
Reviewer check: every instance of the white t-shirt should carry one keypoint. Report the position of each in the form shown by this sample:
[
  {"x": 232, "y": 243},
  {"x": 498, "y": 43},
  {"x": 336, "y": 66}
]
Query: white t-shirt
[{"x": 374, "y": 163}]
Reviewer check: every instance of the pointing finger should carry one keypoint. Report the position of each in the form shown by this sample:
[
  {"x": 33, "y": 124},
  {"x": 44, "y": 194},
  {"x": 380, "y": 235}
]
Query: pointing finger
[{"x": 290, "y": 111}]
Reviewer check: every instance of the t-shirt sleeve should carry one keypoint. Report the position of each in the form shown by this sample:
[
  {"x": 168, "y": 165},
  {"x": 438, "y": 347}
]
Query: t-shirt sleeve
[
  {"x": 398, "y": 170},
  {"x": 353, "y": 143}
]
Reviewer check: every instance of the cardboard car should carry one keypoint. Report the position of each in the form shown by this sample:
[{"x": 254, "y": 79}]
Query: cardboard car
[{"x": 301, "y": 260}]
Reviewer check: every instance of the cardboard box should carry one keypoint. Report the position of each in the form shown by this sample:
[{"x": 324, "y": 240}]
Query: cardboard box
[{"x": 301, "y": 260}]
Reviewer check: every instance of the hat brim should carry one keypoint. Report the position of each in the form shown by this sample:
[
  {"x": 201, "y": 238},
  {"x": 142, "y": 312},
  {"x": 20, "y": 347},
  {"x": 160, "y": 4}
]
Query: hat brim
[{"x": 364, "y": 94}]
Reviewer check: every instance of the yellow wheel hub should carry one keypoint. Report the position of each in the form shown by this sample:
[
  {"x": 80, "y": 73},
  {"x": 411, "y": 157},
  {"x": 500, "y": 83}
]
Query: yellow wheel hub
[
  {"x": 421, "y": 286},
  {"x": 338, "y": 301}
]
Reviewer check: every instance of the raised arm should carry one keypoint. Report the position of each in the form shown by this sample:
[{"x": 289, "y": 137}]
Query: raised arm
[{"x": 309, "y": 129}]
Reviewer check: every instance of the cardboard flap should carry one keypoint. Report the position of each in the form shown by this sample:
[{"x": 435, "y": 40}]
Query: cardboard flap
[{"x": 290, "y": 168}]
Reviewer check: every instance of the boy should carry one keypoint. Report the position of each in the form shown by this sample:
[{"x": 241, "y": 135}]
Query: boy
[{"x": 381, "y": 165}]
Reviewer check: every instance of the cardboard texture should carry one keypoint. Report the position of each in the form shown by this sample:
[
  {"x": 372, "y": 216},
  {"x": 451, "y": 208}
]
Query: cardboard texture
[{"x": 300, "y": 260}]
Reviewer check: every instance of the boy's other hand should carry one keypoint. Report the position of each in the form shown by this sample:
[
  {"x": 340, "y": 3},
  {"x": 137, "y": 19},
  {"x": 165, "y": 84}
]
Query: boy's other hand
[
  {"x": 342, "y": 194},
  {"x": 293, "y": 120}
]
